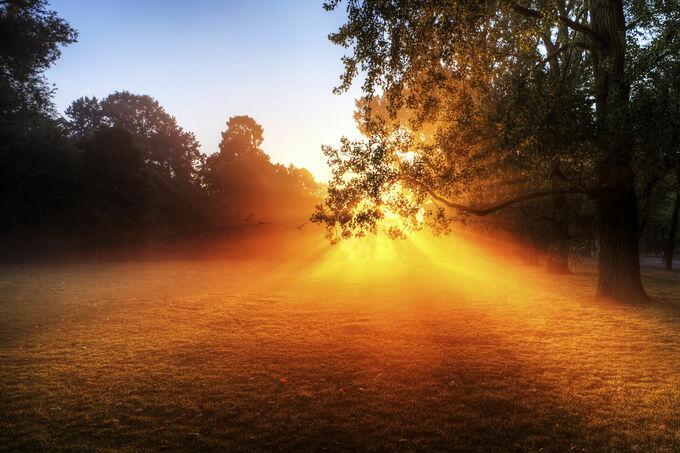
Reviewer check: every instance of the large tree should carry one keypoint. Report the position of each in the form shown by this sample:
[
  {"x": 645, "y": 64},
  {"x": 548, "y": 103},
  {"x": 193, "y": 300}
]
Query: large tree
[
  {"x": 476, "y": 52},
  {"x": 170, "y": 156},
  {"x": 242, "y": 180},
  {"x": 37, "y": 166},
  {"x": 115, "y": 205},
  {"x": 172, "y": 150}
]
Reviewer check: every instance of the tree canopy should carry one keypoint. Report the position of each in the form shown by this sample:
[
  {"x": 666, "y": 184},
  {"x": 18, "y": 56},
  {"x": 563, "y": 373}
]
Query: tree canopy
[
  {"x": 244, "y": 179},
  {"x": 167, "y": 146},
  {"x": 529, "y": 100},
  {"x": 31, "y": 37}
]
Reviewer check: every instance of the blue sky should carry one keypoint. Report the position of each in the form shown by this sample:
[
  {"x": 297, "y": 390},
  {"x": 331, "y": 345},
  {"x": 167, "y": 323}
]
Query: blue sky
[{"x": 207, "y": 60}]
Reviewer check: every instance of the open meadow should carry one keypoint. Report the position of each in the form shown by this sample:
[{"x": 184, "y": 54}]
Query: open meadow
[
  {"x": 373, "y": 346},
  {"x": 340, "y": 225}
]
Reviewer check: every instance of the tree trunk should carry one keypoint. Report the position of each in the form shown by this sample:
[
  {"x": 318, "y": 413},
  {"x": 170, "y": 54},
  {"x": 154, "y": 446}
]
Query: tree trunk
[
  {"x": 670, "y": 247},
  {"x": 558, "y": 258},
  {"x": 618, "y": 259},
  {"x": 558, "y": 250}
]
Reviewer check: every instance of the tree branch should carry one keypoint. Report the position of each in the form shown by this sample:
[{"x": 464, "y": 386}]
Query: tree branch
[
  {"x": 506, "y": 203},
  {"x": 555, "y": 52},
  {"x": 576, "y": 26}
]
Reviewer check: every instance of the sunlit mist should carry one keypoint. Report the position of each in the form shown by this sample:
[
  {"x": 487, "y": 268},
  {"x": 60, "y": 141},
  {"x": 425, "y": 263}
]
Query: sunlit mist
[{"x": 339, "y": 226}]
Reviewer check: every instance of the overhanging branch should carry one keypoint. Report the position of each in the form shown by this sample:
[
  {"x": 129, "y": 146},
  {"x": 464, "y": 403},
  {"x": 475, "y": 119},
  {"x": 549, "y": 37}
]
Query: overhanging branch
[
  {"x": 509, "y": 202},
  {"x": 576, "y": 26}
]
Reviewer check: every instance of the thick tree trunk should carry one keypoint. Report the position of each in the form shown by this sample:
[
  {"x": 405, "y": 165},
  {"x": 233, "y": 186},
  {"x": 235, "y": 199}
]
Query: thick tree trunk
[
  {"x": 618, "y": 259},
  {"x": 672, "y": 231}
]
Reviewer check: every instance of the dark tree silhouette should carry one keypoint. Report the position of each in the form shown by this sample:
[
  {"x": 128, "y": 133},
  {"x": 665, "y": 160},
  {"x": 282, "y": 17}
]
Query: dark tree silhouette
[
  {"x": 37, "y": 165},
  {"x": 245, "y": 183},
  {"x": 115, "y": 207},
  {"x": 167, "y": 146},
  {"x": 85, "y": 115},
  {"x": 31, "y": 37}
]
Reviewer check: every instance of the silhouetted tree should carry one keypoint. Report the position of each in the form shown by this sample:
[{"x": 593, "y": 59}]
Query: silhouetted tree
[
  {"x": 242, "y": 179},
  {"x": 30, "y": 40},
  {"x": 37, "y": 165},
  {"x": 38, "y": 180},
  {"x": 85, "y": 116},
  {"x": 167, "y": 146},
  {"x": 119, "y": 171},
  {"x": 115, "y": 200}
]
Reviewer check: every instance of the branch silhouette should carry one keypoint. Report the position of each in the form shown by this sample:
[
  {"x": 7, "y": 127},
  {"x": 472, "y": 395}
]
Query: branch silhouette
[{"x": 509, "y": 202}]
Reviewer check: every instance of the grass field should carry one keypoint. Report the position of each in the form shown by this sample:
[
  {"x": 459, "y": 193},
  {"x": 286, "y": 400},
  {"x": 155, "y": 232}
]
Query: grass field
[{"x": 387, "y": 347}]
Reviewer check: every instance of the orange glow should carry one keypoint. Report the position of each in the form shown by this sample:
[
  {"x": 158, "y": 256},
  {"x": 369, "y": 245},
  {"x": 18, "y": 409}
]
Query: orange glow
[
  {"x": 462, "y": 263},
  {"x": 416, "y": 326}
]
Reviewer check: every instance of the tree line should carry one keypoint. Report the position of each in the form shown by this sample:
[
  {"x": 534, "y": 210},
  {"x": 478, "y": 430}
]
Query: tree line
[
  {"x": 556, "y": 121},
  {"x": 119, "y": 172}
]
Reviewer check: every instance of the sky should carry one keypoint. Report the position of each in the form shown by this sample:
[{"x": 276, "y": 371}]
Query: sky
[{"x": 208, "y": 60}]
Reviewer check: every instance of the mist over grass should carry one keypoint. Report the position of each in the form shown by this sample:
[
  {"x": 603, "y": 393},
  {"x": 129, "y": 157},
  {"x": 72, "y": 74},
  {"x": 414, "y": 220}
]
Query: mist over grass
[{"x": 340, "y": 348}]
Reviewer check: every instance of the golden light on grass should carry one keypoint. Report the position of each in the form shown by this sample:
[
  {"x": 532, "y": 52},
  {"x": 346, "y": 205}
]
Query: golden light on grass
[
  {"x": 462, "y": 260},
  {"x": 425, "y": 343}
]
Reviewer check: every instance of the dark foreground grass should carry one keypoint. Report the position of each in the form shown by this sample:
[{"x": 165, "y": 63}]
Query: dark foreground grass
[{"x": 243, "y": 356}]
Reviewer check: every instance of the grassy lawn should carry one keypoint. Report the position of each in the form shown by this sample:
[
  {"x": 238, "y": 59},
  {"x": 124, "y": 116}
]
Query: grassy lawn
[{"x": 362, "y": 352}]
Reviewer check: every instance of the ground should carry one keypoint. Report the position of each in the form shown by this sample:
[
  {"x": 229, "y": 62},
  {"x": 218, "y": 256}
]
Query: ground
[{"x": 372, "y": 349}]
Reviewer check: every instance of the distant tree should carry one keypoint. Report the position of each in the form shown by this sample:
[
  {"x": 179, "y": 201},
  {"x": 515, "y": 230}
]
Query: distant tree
[
  {"x": 38, "y": 179},
  {"x": 243, "y": 134},
  {"x": 114, "y": 205},
  {"x": 242, "y": 179},
  {"x": 170, "y": 156},
  {"x": 168, "y": 147},
  {"x": 238, "y": 166},
  {"x": 85, "y": 116}
]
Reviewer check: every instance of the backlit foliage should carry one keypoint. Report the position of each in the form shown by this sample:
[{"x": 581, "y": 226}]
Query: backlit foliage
[{"x": 472, "y": 102}]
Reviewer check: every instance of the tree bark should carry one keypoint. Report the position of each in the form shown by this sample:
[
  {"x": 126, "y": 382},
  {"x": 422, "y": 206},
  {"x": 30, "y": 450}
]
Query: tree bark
[
  {"x": 672, "y": 231},
  {"x": 618, "y": 259},
  {"x": 558, "y": 250}
]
